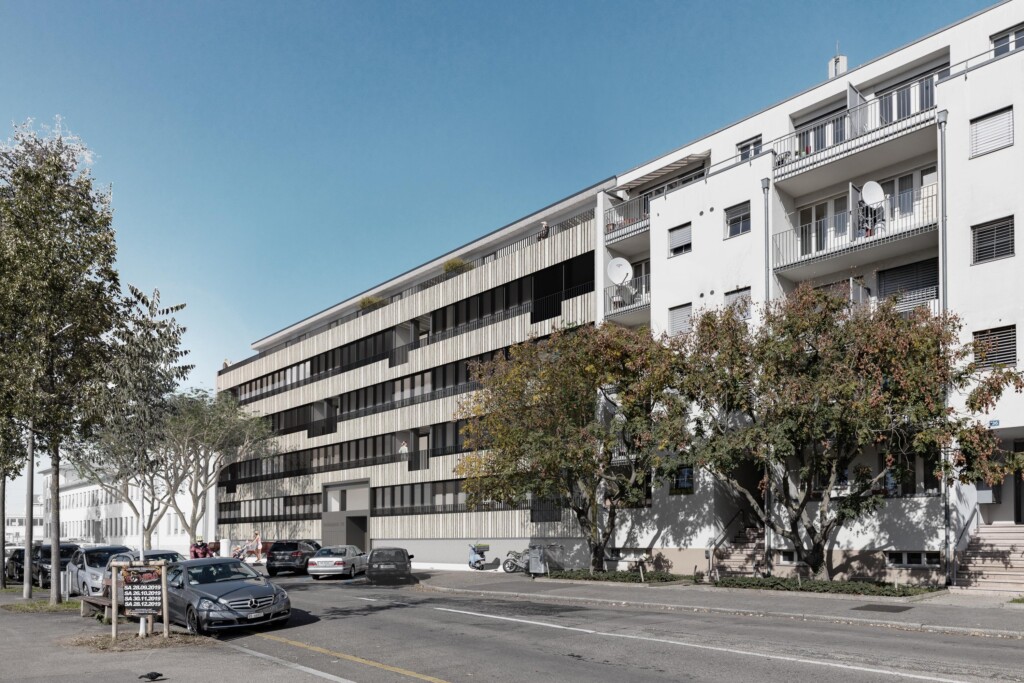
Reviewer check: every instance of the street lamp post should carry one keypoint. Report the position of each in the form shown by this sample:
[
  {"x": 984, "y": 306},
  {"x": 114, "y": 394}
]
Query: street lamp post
[{"x": 26, "y": 565}]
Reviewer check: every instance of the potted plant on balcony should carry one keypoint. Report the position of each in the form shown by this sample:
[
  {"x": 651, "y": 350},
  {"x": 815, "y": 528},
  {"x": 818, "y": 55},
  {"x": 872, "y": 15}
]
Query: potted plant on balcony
[
  {"x": 456, "y": 265},
  {"x": 368, "y": 303}
]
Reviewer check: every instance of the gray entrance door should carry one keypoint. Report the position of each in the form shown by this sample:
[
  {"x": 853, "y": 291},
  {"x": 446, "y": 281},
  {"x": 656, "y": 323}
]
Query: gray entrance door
[{"x": 345, "y": 514}]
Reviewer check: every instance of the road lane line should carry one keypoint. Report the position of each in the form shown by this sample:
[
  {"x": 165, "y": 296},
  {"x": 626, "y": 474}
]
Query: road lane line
[
  {"x": 713, "y": 648},
  {"x": 352, "y": 658},
  {"x": 368, "y": 599},
  {"x": 291, "y": 665}
]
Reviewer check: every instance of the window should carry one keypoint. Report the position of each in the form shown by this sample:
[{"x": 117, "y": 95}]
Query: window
[
  {"x": 991, "y": 132},
  {"x": 996, "y": 347},
  {"x": 749, "y": 148},
  {"x": 742, "y": 297},
  {"x": 682, "y": 483},
  {"x": 914, "y": 284},
  {"x": 737, "y": 219},
  {"x": 680, "y": 240},
  {"x": 1010, "y": 40},
  {"x": 913, "y": 558},
  {"x": 679, "y": 319},
  {"x": 992, "y": 240}
]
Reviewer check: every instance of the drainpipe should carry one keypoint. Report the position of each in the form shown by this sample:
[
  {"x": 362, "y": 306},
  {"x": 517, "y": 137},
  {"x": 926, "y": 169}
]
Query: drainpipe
[
  {"x": 942, "y": 117},
  {"x": 767, "y": 298}
]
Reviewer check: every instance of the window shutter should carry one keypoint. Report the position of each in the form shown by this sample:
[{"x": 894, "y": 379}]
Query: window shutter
[
  {"x": 914, "y": 282},
  {"x": 737, "y": 295},
  {"x": 992, "y": 240},
  {"x": 992, "y": 132},
  {"x": 1000, "y": 346},
  {"x": 679, "y": 319},
  {"x": 680, "y": 237}
]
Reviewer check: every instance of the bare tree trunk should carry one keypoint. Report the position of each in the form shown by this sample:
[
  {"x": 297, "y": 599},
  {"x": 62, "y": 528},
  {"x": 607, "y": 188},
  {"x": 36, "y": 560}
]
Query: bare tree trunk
[
  {"x": 55, "y": 596},
  {"x": 3, "y": 537}
]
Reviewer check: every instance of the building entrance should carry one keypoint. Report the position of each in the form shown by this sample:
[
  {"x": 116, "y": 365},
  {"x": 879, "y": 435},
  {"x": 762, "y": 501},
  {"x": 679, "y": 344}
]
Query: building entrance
[{"x": 345, "y": 514}]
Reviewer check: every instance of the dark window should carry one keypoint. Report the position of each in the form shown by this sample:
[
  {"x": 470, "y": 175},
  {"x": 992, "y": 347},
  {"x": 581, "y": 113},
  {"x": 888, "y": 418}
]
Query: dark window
[
  {"x": 993, "y": 240},
  {"x": 737, "y": 220}
]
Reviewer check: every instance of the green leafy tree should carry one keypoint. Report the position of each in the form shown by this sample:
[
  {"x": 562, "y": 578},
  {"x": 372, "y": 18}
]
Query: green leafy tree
[
  {"x": 569, "y": 419},
  {"x": 202, "y": 435},
  {"x": 57, "y": 226},
  {"x": 143, "y": 371},
  {"x": 819, "y": 384}
]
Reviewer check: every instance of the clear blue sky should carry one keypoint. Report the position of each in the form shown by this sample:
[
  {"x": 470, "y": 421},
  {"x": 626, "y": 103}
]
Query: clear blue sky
[{"x": 269, "y": 160}]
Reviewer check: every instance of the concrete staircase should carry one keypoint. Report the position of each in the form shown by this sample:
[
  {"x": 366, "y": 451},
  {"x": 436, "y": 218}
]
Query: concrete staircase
[
  {"x": 744, "y": 555},
  {"x": 994, "y": 559}
]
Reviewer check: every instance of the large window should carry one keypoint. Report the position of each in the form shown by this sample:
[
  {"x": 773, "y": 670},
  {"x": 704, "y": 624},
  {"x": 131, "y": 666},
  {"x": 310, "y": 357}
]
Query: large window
[
  {"x": 992, "y": 240},
  {"x": 680, "y": 240},
  {"x": 749, "y": 148},
  {"x": 1004, "y": 42},
  {"x": 998, "y": 347},
  {"x": 679, "y": 319},
  {"x": 737, "y": 220},
  {"x": 991, "y": 132}
]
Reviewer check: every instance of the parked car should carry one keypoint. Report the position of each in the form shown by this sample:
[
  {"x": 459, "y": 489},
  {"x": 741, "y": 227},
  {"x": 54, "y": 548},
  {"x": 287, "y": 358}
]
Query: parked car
[
  {"x": 218, "y": 593},
  {"x": 14, "y": 568},
  {"x": 389, "y": 564},
  {"x": 289, "y": 556},
  {"x": 85, "y": 570},
  {"x": 41, "y": 562},
  {"x": 133, "y": 556},
  {"x": 337, "y": 560}
]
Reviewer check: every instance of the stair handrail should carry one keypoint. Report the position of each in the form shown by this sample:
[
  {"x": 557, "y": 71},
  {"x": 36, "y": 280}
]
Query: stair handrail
[
  {"x": 712, "y": 549},
  {"x": 960, "y": 536}
]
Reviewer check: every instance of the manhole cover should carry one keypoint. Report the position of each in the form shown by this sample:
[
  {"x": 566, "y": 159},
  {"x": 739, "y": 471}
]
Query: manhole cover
[{"x": 883, "y": 608}]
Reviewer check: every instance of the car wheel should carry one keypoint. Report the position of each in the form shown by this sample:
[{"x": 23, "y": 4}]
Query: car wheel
[
  {"x": 315, "y": 577},
  {"x": 271, "y": 572},
  {"x": 192, "y": 623}
]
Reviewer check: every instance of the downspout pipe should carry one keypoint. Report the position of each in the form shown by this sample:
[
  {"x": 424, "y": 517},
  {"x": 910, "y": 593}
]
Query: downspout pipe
[
  {"x": 765, "y": 187},
  {"x": 942, "y": 117}
]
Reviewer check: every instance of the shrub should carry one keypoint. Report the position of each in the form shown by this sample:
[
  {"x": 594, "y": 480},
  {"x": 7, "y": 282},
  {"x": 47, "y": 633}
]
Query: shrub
[
  {"x": 456, "y": 265},
  {"x": 619, "y": 577},
  {"x": 368, "y": 303},
  {"x": 698, "y": 576},
  {"x": 813, "y": 586}
]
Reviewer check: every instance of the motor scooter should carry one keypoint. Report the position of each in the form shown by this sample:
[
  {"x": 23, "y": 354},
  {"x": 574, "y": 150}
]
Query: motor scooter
[{"x": 477, "y": 557}]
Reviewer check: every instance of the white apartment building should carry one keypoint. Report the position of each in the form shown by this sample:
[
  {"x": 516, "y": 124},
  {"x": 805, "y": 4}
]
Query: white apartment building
[
  {"x": 89, "y": 515},
  {"x": 898, "y": 176},
  {"x": 14, "y": 522}
]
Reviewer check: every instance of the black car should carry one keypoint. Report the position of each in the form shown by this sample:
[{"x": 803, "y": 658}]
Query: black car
[
  {"x": 389, "y": 564},
  {"x": 41, "y": 562},
  {"x": 15, "y": 567},
  {"x": 289, "y": 556}
]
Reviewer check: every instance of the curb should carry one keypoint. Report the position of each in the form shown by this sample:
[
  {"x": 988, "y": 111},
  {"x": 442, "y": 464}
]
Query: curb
[{"x": 834, "y": 619}]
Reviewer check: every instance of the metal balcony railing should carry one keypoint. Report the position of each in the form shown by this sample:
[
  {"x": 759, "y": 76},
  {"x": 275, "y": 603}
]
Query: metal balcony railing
[
  {"x": 628, "y": 217},
  {"x": 909, "y": 301},
  {"x": 903, "y": 214},
  {"x": 875, "y": 119},
  {"x": 634, "y": 294}
]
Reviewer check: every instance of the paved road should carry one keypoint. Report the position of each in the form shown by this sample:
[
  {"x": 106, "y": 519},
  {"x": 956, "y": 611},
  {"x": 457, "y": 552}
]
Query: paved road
[{"x": 355, "y": 632}]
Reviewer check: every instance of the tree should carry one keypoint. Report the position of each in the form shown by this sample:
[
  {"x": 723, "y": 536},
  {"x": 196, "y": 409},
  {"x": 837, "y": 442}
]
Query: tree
[
  {"x": 568, "y": 419},
  {"x": 806, "y": 398},
  {"x": 13, "y": 456},
  {"x": 143, "y": 371},
  {"x": 203, "y": 434},
  {"x": 58, "y": 226}
]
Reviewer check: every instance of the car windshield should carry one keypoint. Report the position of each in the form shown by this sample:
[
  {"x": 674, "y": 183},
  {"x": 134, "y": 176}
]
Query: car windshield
[
  {"x": 170, "y": 557},
  {"x": 388, "y": 555},
  {"x": 220, "y": 572},
  {"x": 65, "y": 552},
  {"x": 331, "y": 552},
  {"x": 284, "y": 546},
  {"x": 99, "y": 558}
]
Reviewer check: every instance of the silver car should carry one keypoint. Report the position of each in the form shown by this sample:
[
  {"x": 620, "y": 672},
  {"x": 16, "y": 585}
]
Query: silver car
[
  {"x": 337, "y": 560},
  {"x": 217, "y": 593},
  {"x": 85, "y": 570}
]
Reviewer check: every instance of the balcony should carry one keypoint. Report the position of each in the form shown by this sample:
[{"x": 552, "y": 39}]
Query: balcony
[
  {"x": 851, "y": 238},
  {"x": 629, "y": 303},
  {"x": 893, "y": 115},
  {"x": 627, "y": 219}
]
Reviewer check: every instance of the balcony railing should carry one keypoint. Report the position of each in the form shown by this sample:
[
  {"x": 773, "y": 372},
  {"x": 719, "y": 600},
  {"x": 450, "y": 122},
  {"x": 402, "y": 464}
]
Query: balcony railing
[
  {"x": 628, "y": 217},
  {"x": 634, "y": 294},
  {"x": 903, "y": 214},
  {"x": 873, "y": 120}
]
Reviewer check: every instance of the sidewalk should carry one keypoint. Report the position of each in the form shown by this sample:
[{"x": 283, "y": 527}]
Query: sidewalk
[
  {"x": 33, "y": 648},
  {"x": 959, "y": 613}
]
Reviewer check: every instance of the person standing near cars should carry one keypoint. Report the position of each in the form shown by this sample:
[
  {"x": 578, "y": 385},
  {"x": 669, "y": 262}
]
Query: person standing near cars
[
  {"x": 257, "y": 546},
  {"x": 200, "y": 549}
]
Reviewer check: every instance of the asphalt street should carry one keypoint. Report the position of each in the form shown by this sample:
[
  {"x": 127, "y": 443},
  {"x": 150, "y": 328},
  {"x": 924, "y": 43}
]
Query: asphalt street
[{"x": 351, "y": 631}]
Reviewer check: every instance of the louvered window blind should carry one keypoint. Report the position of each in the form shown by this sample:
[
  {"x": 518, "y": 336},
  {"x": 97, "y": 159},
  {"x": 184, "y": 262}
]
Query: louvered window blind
[
  {"x": 993, "y": 240},
  {"x": 999, "y": 347},
  {"x": 740, "y": 295},
  {"x": 680, "y": 240},
  {"x": 914, "y": 283},
  {"x": 991, "y": 132},
  {"x": 679, "y": 319}
]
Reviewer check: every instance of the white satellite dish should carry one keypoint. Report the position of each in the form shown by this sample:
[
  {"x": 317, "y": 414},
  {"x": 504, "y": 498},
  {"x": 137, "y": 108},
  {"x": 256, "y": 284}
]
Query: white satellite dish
[
  {"x": 872, "y": 193},
  {"x": 620, "y": 271}
]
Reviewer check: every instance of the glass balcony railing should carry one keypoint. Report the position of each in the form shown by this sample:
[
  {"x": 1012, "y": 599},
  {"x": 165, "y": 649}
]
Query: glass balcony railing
[{"x": 904, "y": 214}]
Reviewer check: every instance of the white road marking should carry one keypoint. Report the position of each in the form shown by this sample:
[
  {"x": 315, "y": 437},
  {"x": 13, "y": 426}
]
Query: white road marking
[
  {"x": 368, "y": 599},
  {"x": 290, "y": 665},
  {"x": 729, "y": 650}
]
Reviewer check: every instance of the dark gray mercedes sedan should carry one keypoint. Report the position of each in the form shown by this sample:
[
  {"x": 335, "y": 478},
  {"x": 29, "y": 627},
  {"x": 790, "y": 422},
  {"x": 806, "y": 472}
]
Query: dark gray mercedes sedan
[{"x": 217, "y": 593}]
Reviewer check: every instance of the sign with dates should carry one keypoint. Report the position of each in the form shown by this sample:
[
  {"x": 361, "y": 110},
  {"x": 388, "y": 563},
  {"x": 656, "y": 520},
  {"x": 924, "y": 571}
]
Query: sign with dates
[{"x": 143, "y": 591}]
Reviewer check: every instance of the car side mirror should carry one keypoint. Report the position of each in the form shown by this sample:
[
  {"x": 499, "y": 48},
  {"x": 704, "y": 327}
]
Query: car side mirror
[
  {"x": 176, "y": 583},
  {"x": 411, "y": 556}
]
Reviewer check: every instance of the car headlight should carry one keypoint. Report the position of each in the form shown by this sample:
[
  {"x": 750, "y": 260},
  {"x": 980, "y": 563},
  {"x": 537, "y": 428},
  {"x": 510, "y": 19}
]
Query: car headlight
[
  {"x": 280, "y": 595},
  {"x": 207, "y": 605},
  {"x": 94, "y": 576}
]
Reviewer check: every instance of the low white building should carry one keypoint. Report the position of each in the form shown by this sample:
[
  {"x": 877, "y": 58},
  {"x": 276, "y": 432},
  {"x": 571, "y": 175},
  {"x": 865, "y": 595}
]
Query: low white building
[{"x": 14, "y": 522}]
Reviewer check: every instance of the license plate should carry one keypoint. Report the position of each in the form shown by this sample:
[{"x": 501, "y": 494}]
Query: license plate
[
  {"x": 256, "y": 615},
  {"x": 387, "y": 566}
]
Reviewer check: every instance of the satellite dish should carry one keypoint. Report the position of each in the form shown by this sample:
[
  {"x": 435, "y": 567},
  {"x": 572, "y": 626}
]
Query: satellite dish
[
  {"x": 872, "y": 193},
  {"x": 620, "y": 271}
]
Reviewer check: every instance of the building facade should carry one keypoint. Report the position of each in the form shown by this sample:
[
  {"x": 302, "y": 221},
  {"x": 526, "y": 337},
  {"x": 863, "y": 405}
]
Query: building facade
[
  {"x": 898, "y": 177},
  {"x": 14, "y": 522}
]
